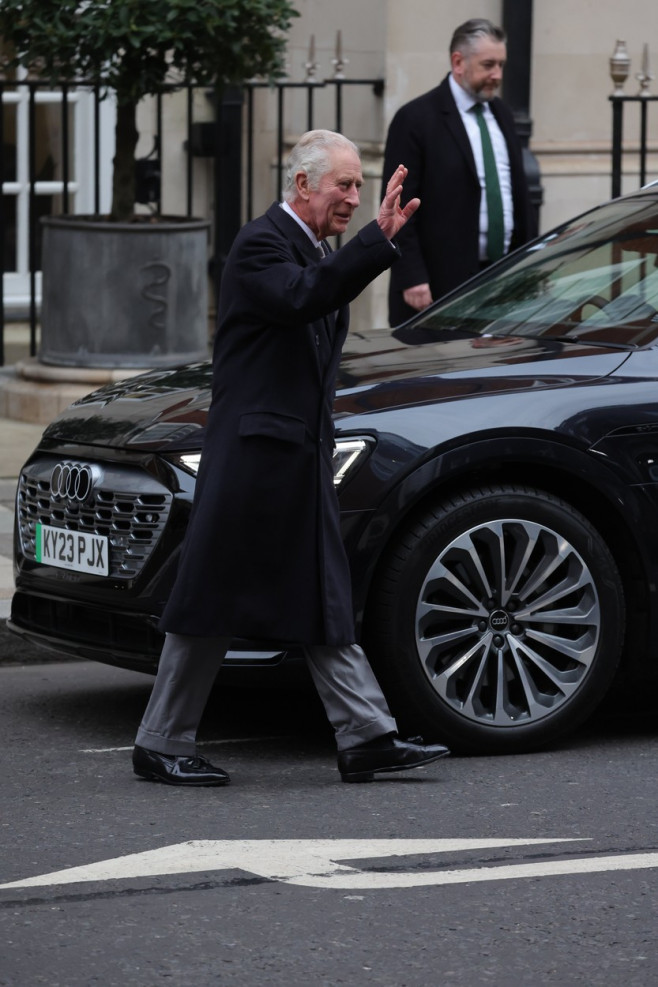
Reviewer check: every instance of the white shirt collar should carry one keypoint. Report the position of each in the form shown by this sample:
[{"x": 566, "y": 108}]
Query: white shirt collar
[
  {"x": 307, "y": 229},
  {"x": 464, "y": 100}
]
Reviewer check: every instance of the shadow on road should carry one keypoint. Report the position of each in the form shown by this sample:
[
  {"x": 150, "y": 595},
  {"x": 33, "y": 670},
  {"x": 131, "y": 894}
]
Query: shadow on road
[{"x": 627, "y": 713}]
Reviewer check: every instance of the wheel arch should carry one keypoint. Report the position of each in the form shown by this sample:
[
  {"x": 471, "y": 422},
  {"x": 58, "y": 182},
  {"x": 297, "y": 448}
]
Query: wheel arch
[{"x": 558, "y": 469}]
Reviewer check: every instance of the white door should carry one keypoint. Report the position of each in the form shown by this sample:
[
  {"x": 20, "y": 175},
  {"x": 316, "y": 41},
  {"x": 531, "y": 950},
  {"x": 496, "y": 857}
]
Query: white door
[{"x": 47, "y": 153}]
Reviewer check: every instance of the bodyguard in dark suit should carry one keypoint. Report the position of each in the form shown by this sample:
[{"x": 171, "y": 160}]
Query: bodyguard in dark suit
[
  {"x": 439, "y": 138},
  {"x": 263, "y": 556}
]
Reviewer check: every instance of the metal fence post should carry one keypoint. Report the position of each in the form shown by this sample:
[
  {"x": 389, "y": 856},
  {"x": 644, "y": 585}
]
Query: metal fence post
[{"x": 619, "y": 69}]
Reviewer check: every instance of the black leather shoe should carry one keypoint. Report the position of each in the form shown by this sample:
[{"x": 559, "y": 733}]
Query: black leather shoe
[
  {"x": 387, "y": 753},
  {"x": 176, "y": 770}
]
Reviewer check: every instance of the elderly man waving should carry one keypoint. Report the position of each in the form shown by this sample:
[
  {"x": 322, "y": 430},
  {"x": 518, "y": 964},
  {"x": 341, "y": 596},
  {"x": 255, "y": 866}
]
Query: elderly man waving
[{"x": 263, "y": 557}]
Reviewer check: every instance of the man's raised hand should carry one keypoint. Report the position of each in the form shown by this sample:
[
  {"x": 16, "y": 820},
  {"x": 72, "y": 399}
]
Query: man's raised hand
[{"x": 392, "y": 217}]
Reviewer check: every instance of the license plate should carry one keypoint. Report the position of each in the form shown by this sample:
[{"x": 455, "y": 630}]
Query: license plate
[{"x": 76, "y": 550}]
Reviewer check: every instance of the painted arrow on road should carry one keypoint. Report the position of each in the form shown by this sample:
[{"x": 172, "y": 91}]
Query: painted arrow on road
[{"x": 314, "y": 863}]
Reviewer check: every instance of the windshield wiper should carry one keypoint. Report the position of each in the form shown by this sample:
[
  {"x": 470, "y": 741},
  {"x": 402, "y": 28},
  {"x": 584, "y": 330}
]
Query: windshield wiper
[{"x": 568, "y": 338}]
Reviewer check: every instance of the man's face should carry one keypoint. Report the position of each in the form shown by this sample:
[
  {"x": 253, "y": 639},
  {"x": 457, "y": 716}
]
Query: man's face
[
  {"x": 480, "y": 72},
  {"x": 328, "y": 209}
]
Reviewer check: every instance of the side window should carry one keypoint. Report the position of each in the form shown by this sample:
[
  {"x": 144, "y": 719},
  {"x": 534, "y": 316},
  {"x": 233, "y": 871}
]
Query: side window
[{"x": 596, "y": 281}]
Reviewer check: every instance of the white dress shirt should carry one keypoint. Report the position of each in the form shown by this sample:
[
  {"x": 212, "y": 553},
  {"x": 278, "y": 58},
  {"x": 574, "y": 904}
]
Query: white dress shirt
[{"x": 465, "y": 104}]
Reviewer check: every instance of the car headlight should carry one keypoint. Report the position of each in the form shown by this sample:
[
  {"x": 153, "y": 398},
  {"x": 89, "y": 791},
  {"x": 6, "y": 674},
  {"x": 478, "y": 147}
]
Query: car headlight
[{"x": 348, "y": 454}]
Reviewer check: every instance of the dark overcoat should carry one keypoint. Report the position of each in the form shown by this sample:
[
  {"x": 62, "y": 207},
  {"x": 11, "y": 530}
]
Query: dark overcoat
[
  {"x": 440, "y": 243},
  {"x": 263, "y": 556}
]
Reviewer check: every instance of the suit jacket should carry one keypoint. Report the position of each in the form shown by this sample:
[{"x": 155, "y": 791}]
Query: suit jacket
[
  {"x": 263, "y": 556},
  {"x": 440, "y": 243}
]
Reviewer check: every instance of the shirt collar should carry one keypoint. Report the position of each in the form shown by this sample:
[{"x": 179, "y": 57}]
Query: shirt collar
[
  {"x": 464, "y": 100},
  {"x": 307, "y": 229}
]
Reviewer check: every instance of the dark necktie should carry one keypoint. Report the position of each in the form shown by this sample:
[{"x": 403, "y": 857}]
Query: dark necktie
[{"x": 496, "y": 227}]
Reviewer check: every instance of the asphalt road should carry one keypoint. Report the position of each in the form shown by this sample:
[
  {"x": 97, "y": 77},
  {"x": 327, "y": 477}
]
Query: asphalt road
[{"x": 288, "y": 877}]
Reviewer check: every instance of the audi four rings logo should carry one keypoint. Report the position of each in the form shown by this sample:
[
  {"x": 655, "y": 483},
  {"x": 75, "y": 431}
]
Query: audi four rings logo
[
  {"x": 499, "y": 620},
  {"x": 71, "y": 480}
]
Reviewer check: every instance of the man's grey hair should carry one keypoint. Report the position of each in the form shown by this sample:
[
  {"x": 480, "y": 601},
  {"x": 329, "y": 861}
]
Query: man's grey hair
[
  {"x": 311, "y": 155},
  {"x": 470, "y": 32}
]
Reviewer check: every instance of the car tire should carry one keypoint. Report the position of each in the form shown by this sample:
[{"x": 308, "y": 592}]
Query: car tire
[{"x": 496, "y": 622}]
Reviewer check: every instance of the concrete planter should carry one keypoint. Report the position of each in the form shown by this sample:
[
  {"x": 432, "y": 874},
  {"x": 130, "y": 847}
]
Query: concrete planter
[{"x": 124, "y": 294}]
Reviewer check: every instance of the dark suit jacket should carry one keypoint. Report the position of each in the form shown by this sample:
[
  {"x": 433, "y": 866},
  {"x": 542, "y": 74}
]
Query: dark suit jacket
[
  {"x": 263, "y": 556},
  {"x": 440, "y": 243}
]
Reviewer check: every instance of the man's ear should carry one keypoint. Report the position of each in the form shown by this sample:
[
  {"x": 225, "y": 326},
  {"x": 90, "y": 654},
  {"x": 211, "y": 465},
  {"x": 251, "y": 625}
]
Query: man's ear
[{"x": 301, "y": 185}]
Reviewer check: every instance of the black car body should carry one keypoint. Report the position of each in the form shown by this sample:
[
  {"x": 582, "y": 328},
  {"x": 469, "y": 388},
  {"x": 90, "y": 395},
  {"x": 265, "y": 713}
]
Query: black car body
[{"x": 497, "y": 472}]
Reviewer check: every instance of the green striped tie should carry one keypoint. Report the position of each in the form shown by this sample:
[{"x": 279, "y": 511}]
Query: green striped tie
[{"x": 496, "y": 228}]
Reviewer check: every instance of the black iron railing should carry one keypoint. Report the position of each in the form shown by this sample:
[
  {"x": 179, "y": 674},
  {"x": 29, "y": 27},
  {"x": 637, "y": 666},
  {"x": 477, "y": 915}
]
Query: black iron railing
[
  {"x": 620, "y": 68},
  {"x": 229, "y": 138},
  {"x": 619, "y": 104}
]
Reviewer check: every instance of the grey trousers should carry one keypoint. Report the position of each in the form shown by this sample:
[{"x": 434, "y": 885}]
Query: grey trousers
[{"x": 353, "y": 701}]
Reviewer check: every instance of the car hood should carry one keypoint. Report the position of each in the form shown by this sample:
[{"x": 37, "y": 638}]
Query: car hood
[
  {"x": 168, "y": 408},
  {"x": 460, "y": 366}
]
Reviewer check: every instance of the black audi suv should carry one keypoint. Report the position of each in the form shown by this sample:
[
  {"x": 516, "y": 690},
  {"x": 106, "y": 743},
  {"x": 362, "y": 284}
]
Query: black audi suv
[{"x": 496, "y": 464}]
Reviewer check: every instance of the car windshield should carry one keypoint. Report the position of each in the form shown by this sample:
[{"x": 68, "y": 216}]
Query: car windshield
[{"x": 595, "y": 279}]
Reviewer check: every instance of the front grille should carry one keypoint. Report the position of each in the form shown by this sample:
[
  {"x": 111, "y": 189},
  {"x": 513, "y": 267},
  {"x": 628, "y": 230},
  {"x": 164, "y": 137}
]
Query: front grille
[{"x": 128, "y": 506}]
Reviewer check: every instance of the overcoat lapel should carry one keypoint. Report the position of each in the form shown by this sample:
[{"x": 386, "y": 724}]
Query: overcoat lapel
[
  {"x": 454, "y": 125},
  {"x": 308, "y": 256},
  {"x": 293, "y": 233}
]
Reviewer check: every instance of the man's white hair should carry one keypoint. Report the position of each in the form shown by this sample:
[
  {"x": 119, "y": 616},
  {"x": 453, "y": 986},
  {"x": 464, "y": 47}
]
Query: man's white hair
[{"x": 311, "y": 155}]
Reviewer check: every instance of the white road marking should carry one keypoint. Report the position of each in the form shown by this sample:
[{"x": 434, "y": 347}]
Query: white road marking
[
  {"x": 312, "y": 863},
  {"x": 504, "y": 872}
]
